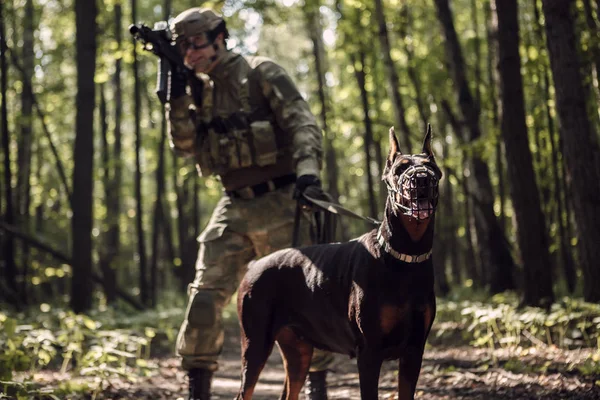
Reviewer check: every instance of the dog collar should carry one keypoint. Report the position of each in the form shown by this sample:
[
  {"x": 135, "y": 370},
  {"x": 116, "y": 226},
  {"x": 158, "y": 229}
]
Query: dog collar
[{"x": 407, "y": 258}]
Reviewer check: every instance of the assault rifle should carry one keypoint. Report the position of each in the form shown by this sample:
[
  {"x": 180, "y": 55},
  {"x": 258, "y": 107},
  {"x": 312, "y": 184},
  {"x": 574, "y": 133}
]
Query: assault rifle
[{"x": 170, "y": 61}]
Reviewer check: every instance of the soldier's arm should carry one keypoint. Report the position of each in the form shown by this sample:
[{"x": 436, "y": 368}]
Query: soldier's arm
[
  {"x": 293, "y": 115},
  {"x": 181, "y": 128}
]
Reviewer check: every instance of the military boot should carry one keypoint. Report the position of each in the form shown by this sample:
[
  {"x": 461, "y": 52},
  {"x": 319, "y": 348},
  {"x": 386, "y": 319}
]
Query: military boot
[
  {"x": 199, "y": 383},
  {"x": 316, "y": 386}
]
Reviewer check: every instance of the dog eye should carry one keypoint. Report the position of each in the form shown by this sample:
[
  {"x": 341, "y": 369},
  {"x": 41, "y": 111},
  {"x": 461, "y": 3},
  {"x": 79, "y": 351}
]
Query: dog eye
[{"x": 400, "y": 168}]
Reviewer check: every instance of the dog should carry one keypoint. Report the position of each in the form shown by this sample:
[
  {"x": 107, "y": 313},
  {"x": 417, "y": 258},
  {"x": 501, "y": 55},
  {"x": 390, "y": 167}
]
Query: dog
[{"x": 371, "y": 298}]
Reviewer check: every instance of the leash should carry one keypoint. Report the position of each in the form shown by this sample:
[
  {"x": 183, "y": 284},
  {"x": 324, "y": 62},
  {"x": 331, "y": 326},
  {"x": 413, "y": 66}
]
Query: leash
[
  {"x": 322, "y": 229},
  {"x": 339, "y": 210}
]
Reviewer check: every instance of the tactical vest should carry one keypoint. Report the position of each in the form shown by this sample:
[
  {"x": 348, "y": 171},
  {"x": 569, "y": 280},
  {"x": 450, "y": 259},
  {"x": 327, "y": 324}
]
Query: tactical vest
[{"x": 243, "y": 139}]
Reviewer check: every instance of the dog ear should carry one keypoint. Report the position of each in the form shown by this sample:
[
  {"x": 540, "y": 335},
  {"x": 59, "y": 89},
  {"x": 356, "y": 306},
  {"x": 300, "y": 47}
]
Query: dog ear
[
  {"x": 394, "y": 147},
  {"x": 427, "y": 143}
]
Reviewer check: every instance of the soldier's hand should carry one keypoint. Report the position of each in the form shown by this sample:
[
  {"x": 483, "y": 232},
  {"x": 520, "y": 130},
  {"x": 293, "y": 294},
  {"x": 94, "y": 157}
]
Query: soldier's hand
[
  {"x": 177, "y": 83},
  {"x": 311, "y": 186}
]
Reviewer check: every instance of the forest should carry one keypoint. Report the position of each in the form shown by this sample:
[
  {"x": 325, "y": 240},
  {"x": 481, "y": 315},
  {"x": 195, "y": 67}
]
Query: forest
[{"x": 99, "y": 217}]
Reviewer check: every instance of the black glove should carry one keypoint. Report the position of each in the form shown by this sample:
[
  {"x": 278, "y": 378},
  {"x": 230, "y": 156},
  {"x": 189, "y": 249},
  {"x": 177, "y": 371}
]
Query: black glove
[
  {"x": 303, "y": 182},
  {"x": 311, "y": 186},
  {"x": 177, "y": 83}
]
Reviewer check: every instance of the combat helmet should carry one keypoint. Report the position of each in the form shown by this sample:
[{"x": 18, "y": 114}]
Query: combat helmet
[{"x": 197, "y": 21}]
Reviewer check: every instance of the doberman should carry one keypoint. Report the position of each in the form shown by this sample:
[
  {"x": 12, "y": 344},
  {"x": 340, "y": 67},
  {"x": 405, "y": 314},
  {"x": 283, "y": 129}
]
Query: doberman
[{"x": 371, "y": 298}]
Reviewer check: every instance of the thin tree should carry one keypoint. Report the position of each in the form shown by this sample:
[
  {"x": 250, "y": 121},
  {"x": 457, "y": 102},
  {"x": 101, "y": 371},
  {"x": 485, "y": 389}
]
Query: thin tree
[
  {"x": 358, "y": 63},
  {"x": 566, "y": 255},
  {"x": 411, "y": 70},
  {"x": 392, "y": 76},
  {"x": 315, "y": 30},
  {"x": 8, "y": 245},
  {"x": 492, "y": 60},
  {"x": 139, "y": 216},
  {"x": 531, "y": 227},
  {"x": 106, "y": 252},
  {"x": 496, "y": 256},
  {"x": 114, "y": 172},
  {"x": 472, "y": 258},
  {"x": 25, "y": 142},
  {"x": 83, "y": 181},
  {"x": 579, "y": 148},
  {"x": 159, "y": 216},
  {"x": 449, "y": 226},
  {"x": 592, "y": 25}
]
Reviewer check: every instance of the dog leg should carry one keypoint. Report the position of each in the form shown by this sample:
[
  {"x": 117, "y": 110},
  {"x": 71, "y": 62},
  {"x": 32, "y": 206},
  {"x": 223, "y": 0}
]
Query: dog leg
[
  {"x": 369, "y": 367},
  {"x": 254, "y": 358},
  {"x": 409, "y": 366},
  {"x": 296, "y": 359}
]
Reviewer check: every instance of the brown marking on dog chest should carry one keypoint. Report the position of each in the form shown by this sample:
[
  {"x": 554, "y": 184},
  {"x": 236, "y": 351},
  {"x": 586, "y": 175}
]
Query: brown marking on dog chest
[
  {"x": 415, "y": 228},
  {"x": 390, "y": 316}
]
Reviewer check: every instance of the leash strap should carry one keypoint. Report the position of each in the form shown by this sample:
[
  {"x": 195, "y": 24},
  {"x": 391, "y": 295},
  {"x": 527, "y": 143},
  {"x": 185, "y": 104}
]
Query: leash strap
[
  {"x": 323, "y": 223},
  {"x": 334, "y": 208}
]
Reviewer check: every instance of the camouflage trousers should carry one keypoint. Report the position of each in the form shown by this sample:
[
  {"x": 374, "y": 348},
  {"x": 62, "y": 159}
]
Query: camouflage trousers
[{"x": 239, "y": 231}]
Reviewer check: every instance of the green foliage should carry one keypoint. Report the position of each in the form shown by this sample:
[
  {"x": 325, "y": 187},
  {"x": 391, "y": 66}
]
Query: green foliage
[
  {"x": 501, "y": 322},
  {"x": 106, "y": 346}
]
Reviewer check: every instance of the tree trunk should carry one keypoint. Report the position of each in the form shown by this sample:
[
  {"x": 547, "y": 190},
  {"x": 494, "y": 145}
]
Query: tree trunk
[
  {"x": 315, "y": 30},
  {"x": 492, "y": 38},
  {"x": 495, "y": 252},
  {"x": 106, "y": 252},
  {"x": 445, "y": 243},
  {"x": 139, "y": 216},
  {"x": 476, "y": 53},
  {"x": 531, "y": 227},
  {"x": 359, "y": 73},
  {"x": 566, "y": 255},
  {"x": 83, "y": 180},
  {"x": 392, "y": 77},
  {"x": 580, "y": 150},
  {"x": 448, "y": 208},
  {"x": 411, "y": 69},
  {"x": 159, "y": 216},
  {"x": 472, "y": 257},
  {"x": 381, "y": 141},
  {"x": 8, "y": 245},
  {"x": 592, "y": 25},
  {"x": 23, "y": 195},
  {"x": 114, "y": 174}
]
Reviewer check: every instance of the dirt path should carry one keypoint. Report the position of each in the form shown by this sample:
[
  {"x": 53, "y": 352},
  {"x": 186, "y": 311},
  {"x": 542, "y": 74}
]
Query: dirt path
[{"x": 447, "y": 373}]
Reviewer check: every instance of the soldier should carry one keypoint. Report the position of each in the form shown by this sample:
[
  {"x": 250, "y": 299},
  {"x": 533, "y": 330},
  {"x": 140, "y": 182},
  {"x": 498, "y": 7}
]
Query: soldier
[{"x": 251, "y": 127}]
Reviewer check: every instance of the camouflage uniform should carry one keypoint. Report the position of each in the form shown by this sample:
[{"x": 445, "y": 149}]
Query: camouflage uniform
[{"x": 276, "y": 136}]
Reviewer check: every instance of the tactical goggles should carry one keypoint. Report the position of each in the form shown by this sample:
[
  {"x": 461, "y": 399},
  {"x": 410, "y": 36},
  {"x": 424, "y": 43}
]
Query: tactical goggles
[{"x": 194, "y": 43}]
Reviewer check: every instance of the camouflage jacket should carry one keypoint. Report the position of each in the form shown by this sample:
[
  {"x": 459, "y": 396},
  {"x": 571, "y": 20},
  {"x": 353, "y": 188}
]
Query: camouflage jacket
[{"x": 252, "y": 124}]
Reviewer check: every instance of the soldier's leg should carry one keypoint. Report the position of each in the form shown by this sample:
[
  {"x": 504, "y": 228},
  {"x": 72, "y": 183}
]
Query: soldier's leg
[
  {"x": 223, "y": 255},
  {"x": 316, "y": 382},
  {"x": 221, "y": 262}
]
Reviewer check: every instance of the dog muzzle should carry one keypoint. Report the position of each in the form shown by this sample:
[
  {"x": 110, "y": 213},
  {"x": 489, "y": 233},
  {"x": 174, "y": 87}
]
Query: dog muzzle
[{"x": 416, "y": 192}]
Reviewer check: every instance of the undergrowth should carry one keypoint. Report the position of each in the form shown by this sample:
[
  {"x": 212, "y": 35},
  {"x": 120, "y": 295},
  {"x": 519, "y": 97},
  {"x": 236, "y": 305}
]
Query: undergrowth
[
  {"x": 105, "y": 345},
  {"x": 121, "y": 345},
  {"x": 499, "y": 323}
]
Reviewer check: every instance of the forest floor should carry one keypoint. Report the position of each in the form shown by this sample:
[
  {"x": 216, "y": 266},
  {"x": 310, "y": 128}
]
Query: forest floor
[{"x": 448, "y": 372}]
